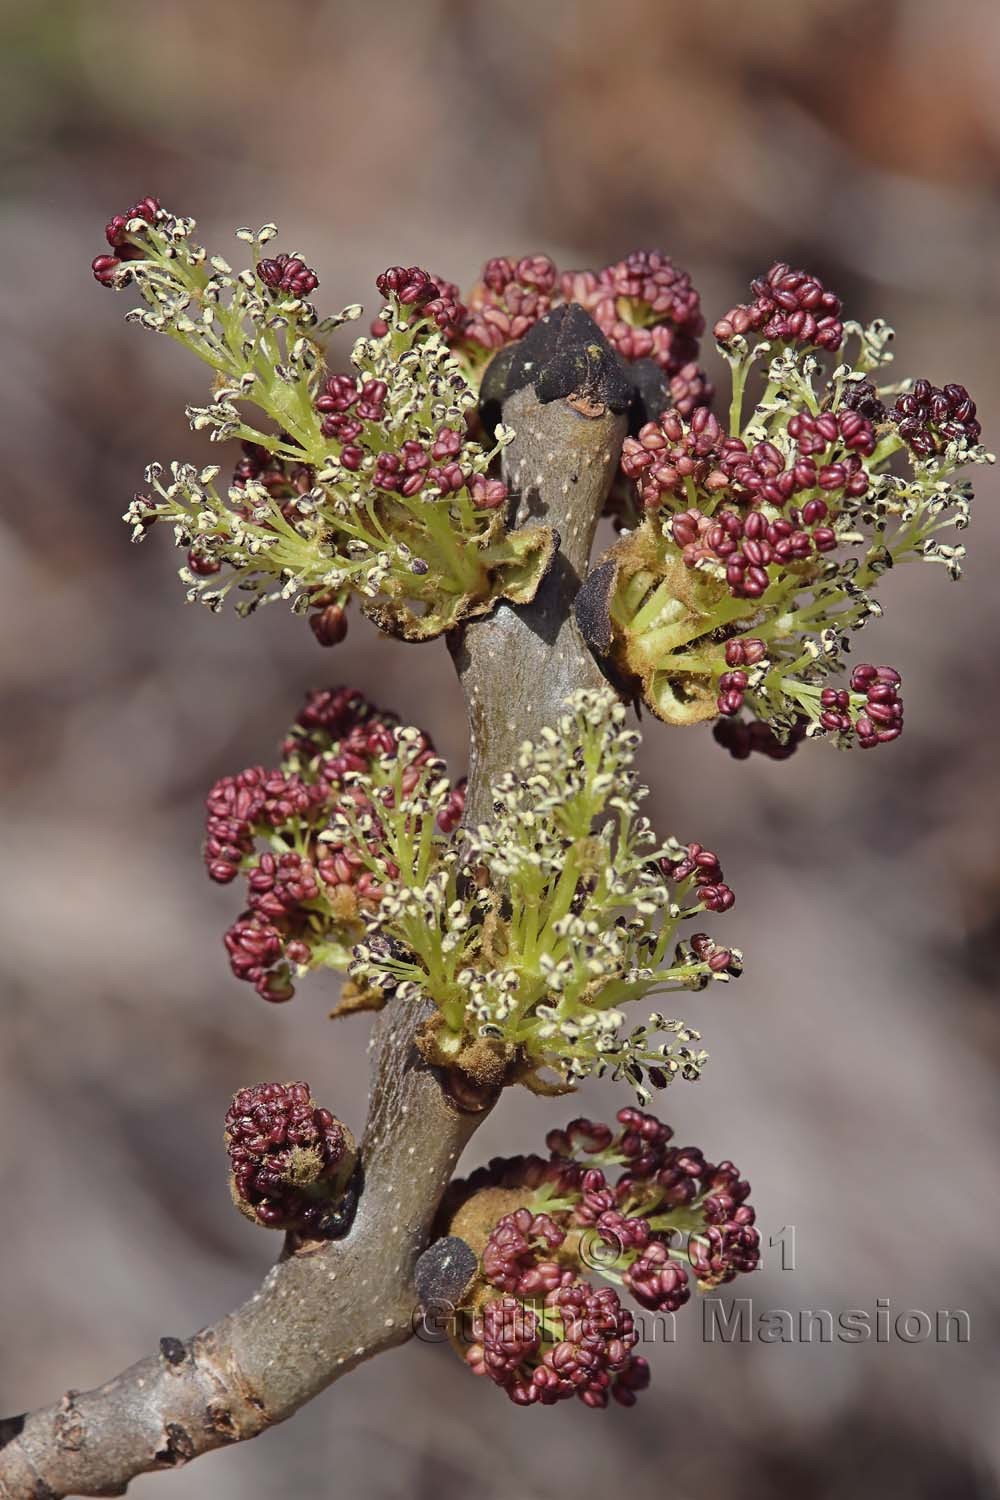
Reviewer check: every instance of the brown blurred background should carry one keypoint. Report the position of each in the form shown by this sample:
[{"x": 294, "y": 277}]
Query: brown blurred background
[{"x": 854, "y": 1067}]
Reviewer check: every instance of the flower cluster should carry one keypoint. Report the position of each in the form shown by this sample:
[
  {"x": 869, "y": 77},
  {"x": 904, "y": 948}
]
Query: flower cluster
[
  {"x": 578, "y": 1343},
  {"x": 624, "y": 1205},
  {"x": 533, "y": 936},
  {"x": 308, "y": 889},
  {"x": 644, "y": 305},
  {"x": 289, "y": 1160},
  {"x": 365, "y": 483},
  {"x": 508, "y": 300},
  {"x": 753, "y": 546},
  {"x": 789, "y": 307}
]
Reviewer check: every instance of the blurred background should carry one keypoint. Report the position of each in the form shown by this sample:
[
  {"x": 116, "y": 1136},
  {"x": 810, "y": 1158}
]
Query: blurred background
[{"x": 854, "y": 1068}]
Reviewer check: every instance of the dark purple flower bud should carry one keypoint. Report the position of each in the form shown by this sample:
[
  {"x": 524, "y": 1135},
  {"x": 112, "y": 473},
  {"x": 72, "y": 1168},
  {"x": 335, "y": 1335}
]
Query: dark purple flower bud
[
  {"x": 790, "y": 307},
  {"x": 411, "y": 286},
  {"x": 511, "y": 1254},
  {"x": 201, "y": 564},
  {"x": 487, "y": 494},
  {"x": 928, "y": 419},
  {"x": 862, "y": 396},
  {"x": 287, "y": 273},
  {"x": 289, "y": 1159},
  {"x": 656, "y": 1281},
  {"x": 329, "y": 625},
  {"x": 116, "y": 230},
  {"x": 104, "y": 268}
]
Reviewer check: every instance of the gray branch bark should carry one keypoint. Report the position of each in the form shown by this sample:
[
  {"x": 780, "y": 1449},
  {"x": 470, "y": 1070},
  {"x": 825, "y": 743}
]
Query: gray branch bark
[{"x": 326, "y": 1306}]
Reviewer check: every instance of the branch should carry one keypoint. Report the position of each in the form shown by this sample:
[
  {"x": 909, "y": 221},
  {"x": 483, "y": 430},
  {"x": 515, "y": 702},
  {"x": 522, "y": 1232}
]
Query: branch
[
  {"x": 328, "y": 1305},
  {"x": 565, "y": 396},
  {"x": 319, "y": 1312}
]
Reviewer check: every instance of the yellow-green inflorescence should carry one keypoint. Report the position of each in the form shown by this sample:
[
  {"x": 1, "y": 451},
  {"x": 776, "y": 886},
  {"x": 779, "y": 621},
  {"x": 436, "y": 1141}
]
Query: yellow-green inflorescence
[
  {"x": 533, "y": 936},
  {"x": 396, "y": 507}
]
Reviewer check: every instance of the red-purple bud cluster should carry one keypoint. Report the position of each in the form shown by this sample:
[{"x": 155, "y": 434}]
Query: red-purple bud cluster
[
  {"x": 703, "y": 867},
  {"x": 928, "y": 419},
  {"x": 511, "y": 1257},
  {"x": 862, "y": 396},
  {"x": 741, "y": 652},
  {"x": 123, "y": 241},
  {"x": 288, "y": 1158},
  {"x": 669, "y": 454},
  {"x": 849, "y": 429},
  {"x": 871, "y": 710},
  {"x": 790, "y": 307},
  {"x": 509, "y": 300},
  {"x": 690, "y": 388},
  {"x": 645, "y": 306},
  {"x": 353, "y": 410},
  {"x": 410, "y": 285},
  {"x": 288, "y": 273},
  {"x": 766, "y": 511},
  {"x": 587, "y": 1350},
  {"x": 601, "y": 1203},
  {"x": 347, "y": 404},
  {"x": 880, "y": 719},
  {"x": 724, "y": 1250},
  {"x": 672, "y": 459},
  {"x": 304, "y": 886},
  {"x": 656, "y": 1281},
  {"x": 437, "y": 299}
]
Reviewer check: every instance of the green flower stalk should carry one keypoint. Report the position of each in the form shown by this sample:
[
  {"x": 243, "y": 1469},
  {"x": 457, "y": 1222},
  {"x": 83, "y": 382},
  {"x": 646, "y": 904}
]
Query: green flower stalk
[
  {"x": 366, "y": 484},
  {"x": 533, "y": 936}
]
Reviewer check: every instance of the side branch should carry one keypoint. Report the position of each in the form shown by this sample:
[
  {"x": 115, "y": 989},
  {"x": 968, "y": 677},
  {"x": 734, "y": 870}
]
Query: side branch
[
  {"x": 319, "y": 1312},
  {"x": 328, "y": 1305}
]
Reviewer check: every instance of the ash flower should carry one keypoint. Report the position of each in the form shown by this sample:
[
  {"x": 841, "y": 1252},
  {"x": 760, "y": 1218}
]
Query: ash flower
[
  {"x": 789, "y": 307},
  {"x": 690, "y": 388},
  {"x": 929, "y": 419},
  {"x": 511, "y": 1257},
  {"x": 308, "y": 888},
  {"x": 350, "y": 484},
  {"x": 656, "y": 1281},
  {"x": 412, "y": 287},
  {"x": 672, "y": 457},
  {"x": 289, "y": 1160},
  {"x": 509, "y": 300},
  {"x": 624, "y": 1205},
  {"x": 588, "y": 1341},
  {"x": 287, "y": 273},
  {"x": 329, "y": 624},
  {"x": 436, "y": 299},
  {"x": 754, "y": 549},
  {"x": 127, "y": 234},
  {"x": 646, "y": 307},
  {"x": 534, "y": 936}
]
